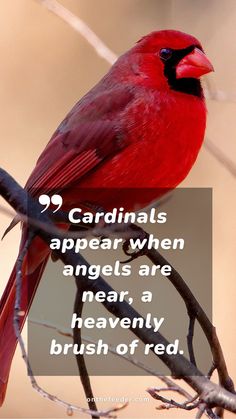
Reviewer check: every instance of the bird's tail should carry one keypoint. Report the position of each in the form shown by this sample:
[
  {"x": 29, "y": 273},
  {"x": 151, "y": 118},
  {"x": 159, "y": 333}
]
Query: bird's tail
[{"x": 33, "y": 267}]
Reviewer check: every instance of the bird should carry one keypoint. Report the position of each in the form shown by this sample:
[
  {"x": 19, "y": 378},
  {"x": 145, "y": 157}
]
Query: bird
[{"x": 141, "y": 126}]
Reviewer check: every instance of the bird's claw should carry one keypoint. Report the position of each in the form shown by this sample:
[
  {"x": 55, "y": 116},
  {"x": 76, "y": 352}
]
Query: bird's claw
[
  {"x": 54, "y": 257},
  {"x": 136, "y": 253}
]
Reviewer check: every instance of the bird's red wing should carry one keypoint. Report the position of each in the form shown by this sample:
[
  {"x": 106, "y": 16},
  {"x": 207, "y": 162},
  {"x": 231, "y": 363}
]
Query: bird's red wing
[
  {"x": 70, "y": 161},
  {"x": 79, "y": 145},
  {"x": 69, "y": 170}
]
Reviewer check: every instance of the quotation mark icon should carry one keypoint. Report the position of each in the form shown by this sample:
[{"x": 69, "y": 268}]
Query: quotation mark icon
[{"x": 47, "y": 200}]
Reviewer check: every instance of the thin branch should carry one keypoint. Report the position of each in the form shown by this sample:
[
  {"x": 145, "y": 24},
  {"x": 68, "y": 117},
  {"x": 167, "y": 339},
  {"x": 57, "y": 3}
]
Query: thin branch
[
  {"x": 84, "y": 376},
  {"x": 220, "y": 156},
  {"x": 190, "y": 404},
  {"x": 80, "y": 26},
  {"x": 206, "y": 410},
  {"x": 170, "y": 403},
  {"x": 154, "y": 392},
  {"x": 190, "y": 338}
]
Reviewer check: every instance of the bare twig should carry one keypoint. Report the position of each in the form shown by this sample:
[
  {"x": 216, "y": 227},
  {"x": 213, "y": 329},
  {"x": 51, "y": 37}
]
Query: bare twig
[
  {"x": 170, "y": 403},
  {"x": 190, "y": 404},
  {"x": 190, "y": 338},
  {"x": 220, "y": 156},
  {"x": 84, "y": 376},
  {"x": 80, "y": 26}
]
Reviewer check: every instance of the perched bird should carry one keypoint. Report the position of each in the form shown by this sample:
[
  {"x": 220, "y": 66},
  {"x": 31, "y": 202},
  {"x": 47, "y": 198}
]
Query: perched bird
[{"x": 141, "y": 126}]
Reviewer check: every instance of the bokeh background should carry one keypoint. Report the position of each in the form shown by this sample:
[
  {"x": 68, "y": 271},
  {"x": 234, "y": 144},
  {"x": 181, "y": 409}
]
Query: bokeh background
[{"x": 45, "y": 67}]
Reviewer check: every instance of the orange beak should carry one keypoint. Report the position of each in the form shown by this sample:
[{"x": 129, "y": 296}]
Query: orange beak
[{"x": 193, "y": 65}]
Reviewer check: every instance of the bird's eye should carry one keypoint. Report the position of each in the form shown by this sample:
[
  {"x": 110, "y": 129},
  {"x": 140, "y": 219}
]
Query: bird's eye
[{"x": 165, "y": 53}]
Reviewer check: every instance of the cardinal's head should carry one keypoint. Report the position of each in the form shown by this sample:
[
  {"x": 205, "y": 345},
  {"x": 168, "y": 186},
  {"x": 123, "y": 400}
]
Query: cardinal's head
[{"x": 169, "y": 59}]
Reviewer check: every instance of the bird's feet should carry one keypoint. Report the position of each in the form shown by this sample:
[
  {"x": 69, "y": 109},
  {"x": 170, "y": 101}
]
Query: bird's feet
[{"x": 140, "y": 235}]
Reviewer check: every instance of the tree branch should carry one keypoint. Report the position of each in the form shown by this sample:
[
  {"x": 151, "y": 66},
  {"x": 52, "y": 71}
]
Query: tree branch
[{"x": 209, "y": 392}]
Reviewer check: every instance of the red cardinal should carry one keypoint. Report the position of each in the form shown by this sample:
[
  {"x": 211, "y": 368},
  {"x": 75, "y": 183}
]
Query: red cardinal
[{"x": 141, "y": 126}]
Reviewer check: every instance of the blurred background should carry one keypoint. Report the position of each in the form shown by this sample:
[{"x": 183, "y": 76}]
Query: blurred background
[{"x": 45, "y": 68}]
